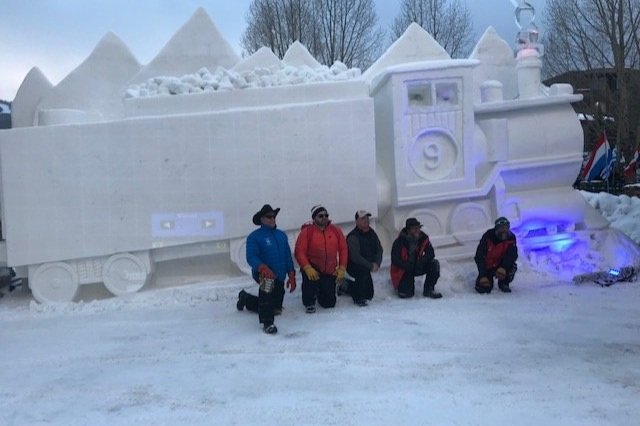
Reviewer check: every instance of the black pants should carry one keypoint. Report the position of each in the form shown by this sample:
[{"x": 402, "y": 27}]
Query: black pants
[
  {"x": 431, "y": 274},
  {"x": 323, "y": 289},
  {"x": 265, "y": 303},
  {"x": 490, "y": 273},
  {"x": 362, "y": 286}
]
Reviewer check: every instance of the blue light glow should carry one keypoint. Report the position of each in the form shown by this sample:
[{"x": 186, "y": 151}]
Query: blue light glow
[
  {"x": 562, "y": 245},
  {"x": 545, "y": 235}
]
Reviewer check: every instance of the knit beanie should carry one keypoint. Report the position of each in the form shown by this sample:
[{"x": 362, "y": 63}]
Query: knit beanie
[{"x": 317, "y": 209}]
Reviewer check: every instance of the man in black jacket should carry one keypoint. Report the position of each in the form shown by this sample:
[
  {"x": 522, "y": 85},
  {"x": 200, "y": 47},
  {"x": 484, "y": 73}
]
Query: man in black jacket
[
  {"x": 496, "y": 256},
  {"x": 412, "y": 255},
  {"x": 365, "y": 255}
]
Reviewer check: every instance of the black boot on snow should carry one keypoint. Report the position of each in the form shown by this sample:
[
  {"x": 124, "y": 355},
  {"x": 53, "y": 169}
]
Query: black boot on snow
[
  {"x": 241, "y": 300},
  {"x": 431, "y": 293},
  {"x": 504, "y": 288},
  {"x": 483, "y": 290},
  {"x": 270, "y": 329}
]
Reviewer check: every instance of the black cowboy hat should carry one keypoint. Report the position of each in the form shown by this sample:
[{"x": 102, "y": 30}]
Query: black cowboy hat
[
  {"x": 265, "y": 210},
  {"x": 412, "y": 221}
]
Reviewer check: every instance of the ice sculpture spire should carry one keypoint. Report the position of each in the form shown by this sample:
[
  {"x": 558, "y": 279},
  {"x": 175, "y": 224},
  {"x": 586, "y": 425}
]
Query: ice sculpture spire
[{"x": 527, "y": 36}]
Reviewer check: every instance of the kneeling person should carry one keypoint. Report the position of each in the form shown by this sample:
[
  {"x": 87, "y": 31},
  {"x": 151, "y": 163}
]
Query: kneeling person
[
  {"x": 269, "y": 255},
  {"x": 496, "y": 256},
  {"x": 412, "y": 255},
  {"x": 321, "y": 252},
  {"x": 365, "y": 255}
]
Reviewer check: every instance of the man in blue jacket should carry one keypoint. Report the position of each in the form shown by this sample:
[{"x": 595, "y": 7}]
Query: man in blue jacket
[{"x": 269, "y": 255}]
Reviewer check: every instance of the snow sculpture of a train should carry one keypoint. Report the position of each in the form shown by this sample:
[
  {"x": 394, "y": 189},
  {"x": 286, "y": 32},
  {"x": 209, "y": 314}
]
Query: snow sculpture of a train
[{"x": 106, "y": 173}]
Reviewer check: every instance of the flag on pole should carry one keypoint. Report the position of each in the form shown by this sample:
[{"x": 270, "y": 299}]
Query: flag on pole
[
  {"x": 630, "y": 170},
  {"x": 612, "y": 158},
  {"x": 598, "y": 161}
]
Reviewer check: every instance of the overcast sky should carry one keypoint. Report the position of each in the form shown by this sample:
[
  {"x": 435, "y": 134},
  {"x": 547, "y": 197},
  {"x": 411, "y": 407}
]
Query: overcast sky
[{"x": 57, "y": 35}]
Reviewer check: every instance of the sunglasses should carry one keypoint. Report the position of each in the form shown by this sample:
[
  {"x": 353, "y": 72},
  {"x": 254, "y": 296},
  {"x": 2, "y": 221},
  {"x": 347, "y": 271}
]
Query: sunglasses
[
  {"x": 270, "y": 216},
  {"x": 322, "y": 215}
]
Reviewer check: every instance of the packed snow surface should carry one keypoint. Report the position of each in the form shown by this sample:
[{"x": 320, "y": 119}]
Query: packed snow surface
[{"x": 550, "y": 352}]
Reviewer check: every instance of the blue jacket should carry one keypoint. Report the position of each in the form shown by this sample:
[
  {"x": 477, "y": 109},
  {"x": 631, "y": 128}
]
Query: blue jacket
[{"x": 271, "y": 247}]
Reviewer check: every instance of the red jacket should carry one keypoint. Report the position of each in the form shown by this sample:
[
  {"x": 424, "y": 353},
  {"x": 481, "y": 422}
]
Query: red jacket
[
  {"x": 322, "y": 249},
  {"x": 493, "y": 253}
]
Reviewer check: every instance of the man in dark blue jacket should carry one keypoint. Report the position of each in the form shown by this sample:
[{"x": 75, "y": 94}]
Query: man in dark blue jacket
[{"x": 269, "y": 255}]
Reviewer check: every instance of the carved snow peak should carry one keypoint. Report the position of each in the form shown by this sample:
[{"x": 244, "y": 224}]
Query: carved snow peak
[
  {"x": 414, "y": 45},
  {"x": 197, "y": 44},
  {"x": 298, "y": 55},
  {"x": 262, "y": 58}
]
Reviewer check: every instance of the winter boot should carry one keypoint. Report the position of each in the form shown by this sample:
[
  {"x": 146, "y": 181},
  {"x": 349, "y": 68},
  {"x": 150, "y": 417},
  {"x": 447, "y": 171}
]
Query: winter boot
[
  {"x": 241, "y": 300},
  {"x": 504, "y": 288},
  {"x": 343, "y": 288},
  {"x": 483, "y": 290},
  {"x": 310, "y": 309},
  {"x": 431, "y": 293},
  {"x": 270, "y": 329},
  {"x": 361, "y": 303}
]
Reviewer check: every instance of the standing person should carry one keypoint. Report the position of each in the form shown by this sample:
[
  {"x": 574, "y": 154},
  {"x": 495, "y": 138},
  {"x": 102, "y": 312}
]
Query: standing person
[
  {"x": 412, "y": 255},
  {"x": 269, "y": 255},
  {"x": 496, "y": 256},
  {"x": 321, "y": 252},
  {"x": 365, "y": 255}
]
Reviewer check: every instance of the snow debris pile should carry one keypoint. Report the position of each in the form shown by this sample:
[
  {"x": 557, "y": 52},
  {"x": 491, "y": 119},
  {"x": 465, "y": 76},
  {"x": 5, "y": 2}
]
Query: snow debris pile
[
  {"x": 224, "y": 80},
  {"x": 622, "y": 211}
]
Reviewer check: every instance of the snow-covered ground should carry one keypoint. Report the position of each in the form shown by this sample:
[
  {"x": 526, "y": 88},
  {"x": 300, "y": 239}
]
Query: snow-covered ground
[{"x": 551, "y": 352}]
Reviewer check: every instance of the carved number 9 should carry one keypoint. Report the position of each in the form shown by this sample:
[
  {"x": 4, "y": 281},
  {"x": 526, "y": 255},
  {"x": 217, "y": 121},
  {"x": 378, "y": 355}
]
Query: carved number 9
[{"x": 432, "y": 156}]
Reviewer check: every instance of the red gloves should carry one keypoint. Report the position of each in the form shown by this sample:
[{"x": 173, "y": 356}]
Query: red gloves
[
  {"x": 291, "y": 282},
  {"x": 265, "y": 272}
]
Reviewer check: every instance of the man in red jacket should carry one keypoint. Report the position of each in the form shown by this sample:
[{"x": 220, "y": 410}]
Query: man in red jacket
[
  {"x": 412, "y": 255},
  {"x": 321, "y": 252},
  {"x": 496, "y": 256}
]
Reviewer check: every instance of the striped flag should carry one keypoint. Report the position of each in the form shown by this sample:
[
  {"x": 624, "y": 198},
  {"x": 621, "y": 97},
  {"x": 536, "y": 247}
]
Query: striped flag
[
  {"x": 612, "y": 158},
  {"x": 630, "y": 169},
  {"x": 599, "y": 161}
]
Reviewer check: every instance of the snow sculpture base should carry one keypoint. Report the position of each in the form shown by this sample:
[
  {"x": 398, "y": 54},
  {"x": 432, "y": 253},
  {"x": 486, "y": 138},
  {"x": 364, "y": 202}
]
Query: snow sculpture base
[{"x": 582, "y": 252}]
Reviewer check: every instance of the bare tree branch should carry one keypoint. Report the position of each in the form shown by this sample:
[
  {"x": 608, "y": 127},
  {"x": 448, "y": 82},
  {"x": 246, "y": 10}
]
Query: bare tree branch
[
  {"x": 598, "y": 35},
  {"x": 448, "y": 21},
  {"x": 332, "y": 30}
]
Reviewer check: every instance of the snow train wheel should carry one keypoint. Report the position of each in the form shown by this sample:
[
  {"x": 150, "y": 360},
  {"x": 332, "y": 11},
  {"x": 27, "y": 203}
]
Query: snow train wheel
[
  {"x": 124, "y": 274},
  {"x": 238, "y": 254},
  {"x": 54, "y": 283}
]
